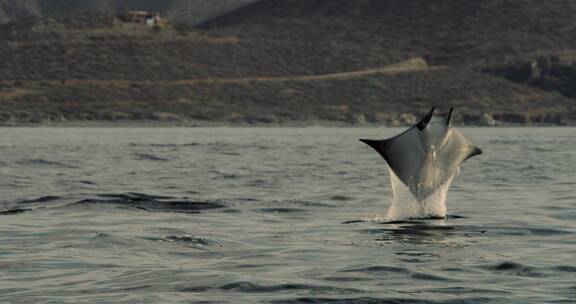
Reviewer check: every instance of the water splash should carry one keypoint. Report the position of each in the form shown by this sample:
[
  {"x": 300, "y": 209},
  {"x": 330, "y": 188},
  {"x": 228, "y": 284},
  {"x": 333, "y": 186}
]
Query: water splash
[{"x": 406, "y": 206}]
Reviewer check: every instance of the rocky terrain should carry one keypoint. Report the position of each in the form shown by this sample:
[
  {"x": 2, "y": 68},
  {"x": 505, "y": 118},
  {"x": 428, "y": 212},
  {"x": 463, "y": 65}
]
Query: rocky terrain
[
  {"x": 295, "y": 62},
  {"x": 179, "y": 11}
]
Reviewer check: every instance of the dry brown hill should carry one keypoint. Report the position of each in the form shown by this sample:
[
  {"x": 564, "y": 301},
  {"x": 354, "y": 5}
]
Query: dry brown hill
[
  {"x": 190, "y": 11},
  {"x": 454, "y": 31},
  {"x": 275, "y": 62}
]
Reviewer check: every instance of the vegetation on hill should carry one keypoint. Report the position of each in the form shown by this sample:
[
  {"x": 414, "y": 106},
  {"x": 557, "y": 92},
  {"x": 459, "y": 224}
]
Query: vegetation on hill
[
  {"x": 549, "y": 73},
  {"x": 253, "y": 65},
  {"x": 444, "y": 32},
  {"x": 179, "y": 11}
]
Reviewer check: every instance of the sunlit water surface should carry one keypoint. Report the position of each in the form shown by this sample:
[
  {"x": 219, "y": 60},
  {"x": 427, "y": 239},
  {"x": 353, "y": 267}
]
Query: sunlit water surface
[{"x": 224, "y": 215}]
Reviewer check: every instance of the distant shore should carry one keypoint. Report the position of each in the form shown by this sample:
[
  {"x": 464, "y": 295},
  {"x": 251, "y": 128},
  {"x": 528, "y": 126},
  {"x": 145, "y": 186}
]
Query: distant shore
[
  {"x": 219, "y": 124},
  {"x": 249, "y": 69}
]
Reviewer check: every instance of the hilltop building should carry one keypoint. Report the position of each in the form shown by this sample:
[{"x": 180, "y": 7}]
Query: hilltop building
[{"x": 144, "y": 18}]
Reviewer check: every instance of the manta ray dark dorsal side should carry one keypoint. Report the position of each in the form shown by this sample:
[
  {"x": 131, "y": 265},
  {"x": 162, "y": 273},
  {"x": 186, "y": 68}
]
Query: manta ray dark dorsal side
[{"x": 427, "y": 155}]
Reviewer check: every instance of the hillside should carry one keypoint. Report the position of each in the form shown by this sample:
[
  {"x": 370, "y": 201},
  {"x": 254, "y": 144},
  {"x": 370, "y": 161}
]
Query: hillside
[
  {"x": 455, "y": 31},
  {"x": 187, "y": 11},
  {"x": 299, "y": 61}
]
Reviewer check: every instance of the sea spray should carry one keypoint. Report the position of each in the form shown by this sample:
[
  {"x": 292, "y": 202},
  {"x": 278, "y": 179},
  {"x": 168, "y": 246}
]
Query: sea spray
[{"x": 406, "y": 206}]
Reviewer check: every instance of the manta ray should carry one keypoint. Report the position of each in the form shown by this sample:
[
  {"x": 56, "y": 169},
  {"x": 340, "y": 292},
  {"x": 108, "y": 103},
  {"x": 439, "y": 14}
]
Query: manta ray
[{"x": 428, "y": 155}]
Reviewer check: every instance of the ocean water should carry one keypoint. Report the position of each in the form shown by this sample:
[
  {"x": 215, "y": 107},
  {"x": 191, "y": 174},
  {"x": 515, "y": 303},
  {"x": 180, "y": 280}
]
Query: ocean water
[{"x": 280, "y": 215}]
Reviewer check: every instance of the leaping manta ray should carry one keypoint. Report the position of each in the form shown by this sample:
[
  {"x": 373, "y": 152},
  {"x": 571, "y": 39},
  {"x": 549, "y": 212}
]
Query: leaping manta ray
[{"x": 427, "y": 155}]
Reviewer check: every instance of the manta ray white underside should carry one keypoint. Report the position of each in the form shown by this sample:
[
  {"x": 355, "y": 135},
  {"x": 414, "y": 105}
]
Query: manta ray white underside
[{"x": 428, "y": 155}]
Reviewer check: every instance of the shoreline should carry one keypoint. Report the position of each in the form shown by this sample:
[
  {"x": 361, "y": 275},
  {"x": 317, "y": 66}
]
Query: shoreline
[{"x": 225, "y": 124}]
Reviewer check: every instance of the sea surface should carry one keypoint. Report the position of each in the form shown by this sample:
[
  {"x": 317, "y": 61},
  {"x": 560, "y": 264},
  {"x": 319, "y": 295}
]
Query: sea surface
[{"x": 278, "y": 215}]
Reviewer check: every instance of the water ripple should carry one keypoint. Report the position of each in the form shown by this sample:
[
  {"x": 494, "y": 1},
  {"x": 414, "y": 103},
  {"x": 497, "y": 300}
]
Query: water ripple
[
  {"x": 386, "y": 270},
  {"x": 281, "y": 210},
  {"x": 268, "y": 207},
  {"x": 250, "y": 287},
  {"x": 152, "y": 203},
  {"x": 370, "y": 300},
  {"x": 187, "y": 240},
  {"x": 145, "y": 156},
  {"x": 42, "y": 199},
  {"x": 14, "y": 211},
  {"x": 514, "y": 269},
  {"x": 43, "y": 162}
]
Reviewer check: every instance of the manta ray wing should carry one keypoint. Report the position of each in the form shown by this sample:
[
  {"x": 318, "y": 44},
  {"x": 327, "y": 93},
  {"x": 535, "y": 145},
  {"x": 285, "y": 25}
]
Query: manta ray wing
[
  {"x": 403, "y": 154},
  {"x": 438, "y": 167},
  {"x": 459, "y": 148}
]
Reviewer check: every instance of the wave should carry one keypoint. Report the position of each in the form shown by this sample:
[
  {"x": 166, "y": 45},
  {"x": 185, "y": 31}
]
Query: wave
[
  {"x": 163, "y": 145},
  {"x": 130, "y": 200},
  {"x": 144, "y": 156},
  {"x": 249, "y": 287},
  {"x": 152, "y": 203},
  {"x": 385, "y": 270},
  {"x": 565, "y": 268},
  {"x": 371, "y": 300},
  {"x": 341, "y": 198},
  {"x": 186, "y": 240},
  {"x": 20, "y": 210},
  {"x": 526, "y": 231},
  {"x": 14, "y": 211},
  {"x": 42, "y": 199},
  {"x": 281, "y": 210},
  {"x": 513, "y": 269},
  {"x": 43, "y": 162}
]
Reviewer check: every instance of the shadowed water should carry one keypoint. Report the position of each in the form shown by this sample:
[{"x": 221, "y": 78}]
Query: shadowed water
[{"x": 223, "y": 215}]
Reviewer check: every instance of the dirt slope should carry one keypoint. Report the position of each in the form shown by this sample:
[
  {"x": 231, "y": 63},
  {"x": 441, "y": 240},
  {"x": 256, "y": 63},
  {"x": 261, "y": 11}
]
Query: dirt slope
[
  {"x": 191, "y": 11},
  {"x": 454, "y": 31},
  {"x": 300, "y": 61}
]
